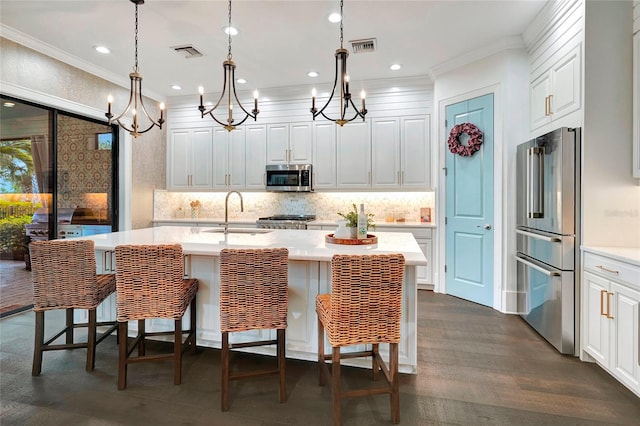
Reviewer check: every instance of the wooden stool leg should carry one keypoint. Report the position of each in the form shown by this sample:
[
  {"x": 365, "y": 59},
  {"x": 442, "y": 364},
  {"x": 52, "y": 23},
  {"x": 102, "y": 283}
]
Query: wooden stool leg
[
  {"x": 91, "y": 340},
  {"x": 281, "y": 364},
  {"x": 374, "y": 361},
  {"x": 335, "y": 384},
  {"x": 69, "y": 334},
  {"x": 38, "y": 344},
  {"x": 225, "y": 372},
  {"x": 395, "y": 386},
  {"x": 322, "y": 380},
  {"x": 123, "y": 349},
  {"x": 177, "y": 352}
]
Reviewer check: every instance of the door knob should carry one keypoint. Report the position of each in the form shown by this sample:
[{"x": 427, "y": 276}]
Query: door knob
[{"x": 487, "y": 226}]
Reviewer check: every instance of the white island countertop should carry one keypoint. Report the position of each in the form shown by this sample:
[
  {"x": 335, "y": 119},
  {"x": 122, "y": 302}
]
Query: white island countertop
[{"x": 302, "y": 244}]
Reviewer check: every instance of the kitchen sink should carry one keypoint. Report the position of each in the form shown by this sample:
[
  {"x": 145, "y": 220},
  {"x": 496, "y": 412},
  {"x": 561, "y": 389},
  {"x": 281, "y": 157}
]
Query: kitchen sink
[{"x": 240, "y": 231}]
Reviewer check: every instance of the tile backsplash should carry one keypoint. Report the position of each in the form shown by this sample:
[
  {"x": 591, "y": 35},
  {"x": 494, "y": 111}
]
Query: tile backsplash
[{"x": 325, "y": 205}]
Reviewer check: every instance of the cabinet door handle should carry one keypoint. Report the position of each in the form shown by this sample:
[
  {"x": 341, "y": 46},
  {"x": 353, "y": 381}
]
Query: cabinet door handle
[
  {"x": 369, "y": 178},
  {"x": 608, "y": 270},
  {"x": 550, "y": 98},
  {"x": 602, "y": 293},
  {"x": 546, "y": 105},
  {"x": 609, "y": 294},
  {"x": 399, "y": 178},
  {"x": 402, "y": 177}
]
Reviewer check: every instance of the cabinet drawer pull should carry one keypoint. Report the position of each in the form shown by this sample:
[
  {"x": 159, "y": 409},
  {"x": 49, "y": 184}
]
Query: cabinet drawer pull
[
  {"x": 609, "y": 305},
  {"x": 607, "y": 270},
  {"x": 602, "y": 293}
]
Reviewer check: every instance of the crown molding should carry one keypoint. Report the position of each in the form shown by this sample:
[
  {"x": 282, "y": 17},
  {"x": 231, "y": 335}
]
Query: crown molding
[
  {"x": 62, "y": 56},
  {"x": 508, "y": 43}
]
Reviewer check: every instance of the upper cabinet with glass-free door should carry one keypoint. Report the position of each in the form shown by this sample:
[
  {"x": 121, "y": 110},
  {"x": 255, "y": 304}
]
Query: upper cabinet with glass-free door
[{"x": 289, "y": 143}]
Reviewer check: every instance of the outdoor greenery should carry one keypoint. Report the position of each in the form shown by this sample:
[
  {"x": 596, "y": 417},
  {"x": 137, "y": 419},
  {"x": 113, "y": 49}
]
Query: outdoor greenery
[
  {"x": 16, "y": 166},
  {"x": 13, "y": 238},
  {"x": 352, "y": 218}
]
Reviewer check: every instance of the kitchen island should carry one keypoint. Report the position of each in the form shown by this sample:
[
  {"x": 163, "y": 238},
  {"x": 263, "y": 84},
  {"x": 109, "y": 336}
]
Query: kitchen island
[{"x": 309, "y": 274}]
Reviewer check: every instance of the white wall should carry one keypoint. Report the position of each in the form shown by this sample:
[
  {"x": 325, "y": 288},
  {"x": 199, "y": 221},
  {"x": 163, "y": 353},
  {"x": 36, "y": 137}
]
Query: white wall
[
  {"x": 611, "y": 196},
  {"x": 504, "y": 74}
]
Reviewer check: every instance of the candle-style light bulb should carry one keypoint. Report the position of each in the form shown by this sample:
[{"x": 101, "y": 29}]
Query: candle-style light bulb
[
  {"x": 346, "y": 81},
  {"x": 255, "y": 100},
  {"x": 313, "y": 98},
  {"x": 109, "y": 102},
  {"x": 363, "y": 95},
  {"x": 201, "y": 91},
  {"x": 161, "y": 110}
]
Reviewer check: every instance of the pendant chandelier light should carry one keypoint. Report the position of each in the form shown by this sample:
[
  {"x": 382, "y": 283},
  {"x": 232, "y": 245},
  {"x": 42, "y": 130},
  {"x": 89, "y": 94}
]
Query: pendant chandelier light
[
  {"x": 343, "y": 88},
  {"x": 229, "y": 90},
  {"x": 136, "y": 104}
]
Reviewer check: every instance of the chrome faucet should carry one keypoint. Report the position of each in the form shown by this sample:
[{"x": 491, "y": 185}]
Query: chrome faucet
[{"x": 226, "y": 208}]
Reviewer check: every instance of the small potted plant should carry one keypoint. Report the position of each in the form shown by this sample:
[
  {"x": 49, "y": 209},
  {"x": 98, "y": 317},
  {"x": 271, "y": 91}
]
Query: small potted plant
[{"x": 352, "y": 220}]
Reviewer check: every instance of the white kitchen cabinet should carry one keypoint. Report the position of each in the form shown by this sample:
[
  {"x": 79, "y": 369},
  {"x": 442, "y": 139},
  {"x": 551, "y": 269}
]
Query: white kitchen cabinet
[
  {"x": 353, "y": 155},
  {"x": 324, "y": 155},
  {"x": 400, "y": 153},
  {"x": 611, "y": 315},
  {"x": 415, "y": 152},
  {"x": 229, "y": 158},
  {"x": 636, "y": 103},
  {"x": 289, "y": 143},
  {"x": 256, "y": 156},
  {"x": 385, "y": 153},
  {"x": 189, "y": 159},
  {"x": 557, "y": 91}
]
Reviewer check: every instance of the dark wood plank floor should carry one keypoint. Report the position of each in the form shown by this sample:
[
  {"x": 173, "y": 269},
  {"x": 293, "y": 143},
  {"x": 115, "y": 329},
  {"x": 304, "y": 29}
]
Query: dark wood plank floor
[{"x": 475, "y": 366}]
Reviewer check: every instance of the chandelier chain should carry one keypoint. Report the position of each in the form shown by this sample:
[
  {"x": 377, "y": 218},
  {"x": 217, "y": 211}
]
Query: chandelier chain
[
  {"x": 229, "y": 31},
  {"x": 341, "y": 21},
  {"x": 135, "y": 67}
]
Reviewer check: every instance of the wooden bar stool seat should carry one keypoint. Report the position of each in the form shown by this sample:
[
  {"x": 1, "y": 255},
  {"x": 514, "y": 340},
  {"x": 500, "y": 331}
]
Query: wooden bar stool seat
[
  {"x": 254, "y": 288},
  {"x": 150, "y": 284},
  {"x": 364, "y": 307},
  {"x": 64, "y": 277}
]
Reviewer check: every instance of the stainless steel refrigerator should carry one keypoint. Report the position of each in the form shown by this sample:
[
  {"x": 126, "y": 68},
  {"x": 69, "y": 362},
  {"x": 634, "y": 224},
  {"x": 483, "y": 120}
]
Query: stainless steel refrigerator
[{"x": 548, "y": 240}]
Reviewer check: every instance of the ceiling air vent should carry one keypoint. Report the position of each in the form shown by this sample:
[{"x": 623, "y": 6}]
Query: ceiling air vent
[
  {"x": 188, "y": 51},
  {"x": 364, "y": 45}
]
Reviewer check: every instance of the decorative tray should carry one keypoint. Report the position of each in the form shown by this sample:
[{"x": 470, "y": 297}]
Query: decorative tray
[{"x": 371, "y": 239}]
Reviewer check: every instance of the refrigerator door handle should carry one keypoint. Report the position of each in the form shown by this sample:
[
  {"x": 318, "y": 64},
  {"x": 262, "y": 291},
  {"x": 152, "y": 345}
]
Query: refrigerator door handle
[
  {"x": 535, "y": 182},
  {"x": 538, "y": 236},
  {"x": 538, "y": 268}
]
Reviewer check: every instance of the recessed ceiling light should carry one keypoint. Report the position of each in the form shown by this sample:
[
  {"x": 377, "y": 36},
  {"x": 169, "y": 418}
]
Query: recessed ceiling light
[
  {"x": 335, "y": 17},
  {"x": 312, "y": 74},
  {"x": 176, "y": 87},
  {"x": 9, "y": 104},
  {"x": 102, "y": 49},
  {"x": 241, "y": 81},
  {"x": 230, "y": 30},
  {"x": 395, "y": 67}
]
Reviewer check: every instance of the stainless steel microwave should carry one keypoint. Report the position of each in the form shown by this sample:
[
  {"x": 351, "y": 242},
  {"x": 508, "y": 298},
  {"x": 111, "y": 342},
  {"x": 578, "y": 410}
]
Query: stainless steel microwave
[{"x": 289, "y": 178}]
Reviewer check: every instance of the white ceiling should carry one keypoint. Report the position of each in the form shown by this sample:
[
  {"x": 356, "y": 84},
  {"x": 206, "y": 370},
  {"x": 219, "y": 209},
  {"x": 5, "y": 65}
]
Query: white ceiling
[{"x": 279, "y": 41}]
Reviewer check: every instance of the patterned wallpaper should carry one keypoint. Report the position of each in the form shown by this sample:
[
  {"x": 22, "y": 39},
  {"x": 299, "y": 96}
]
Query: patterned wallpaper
[{"x": 82, "y": 168}]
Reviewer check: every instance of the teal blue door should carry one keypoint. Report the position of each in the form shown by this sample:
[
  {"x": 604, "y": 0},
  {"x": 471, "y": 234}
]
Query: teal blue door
[{"x": 469, "y": 206}]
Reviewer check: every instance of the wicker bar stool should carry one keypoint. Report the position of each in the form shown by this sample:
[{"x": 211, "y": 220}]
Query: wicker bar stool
[
  {"x": 150, "y": 284},
  {"x": 64, "y": 277},
  {"x": 254, "y": 285},
  {"x": 364, "y": 307}
]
